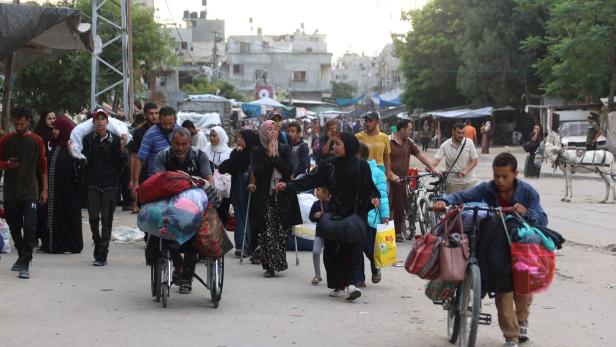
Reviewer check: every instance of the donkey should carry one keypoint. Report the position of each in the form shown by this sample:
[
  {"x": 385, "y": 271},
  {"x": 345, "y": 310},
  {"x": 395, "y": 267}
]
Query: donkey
[{"x": 570, "y": 161}]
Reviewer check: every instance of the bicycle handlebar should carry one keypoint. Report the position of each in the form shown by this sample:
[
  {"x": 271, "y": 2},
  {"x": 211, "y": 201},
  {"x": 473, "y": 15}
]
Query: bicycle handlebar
[{"x": 506, "y": 210}]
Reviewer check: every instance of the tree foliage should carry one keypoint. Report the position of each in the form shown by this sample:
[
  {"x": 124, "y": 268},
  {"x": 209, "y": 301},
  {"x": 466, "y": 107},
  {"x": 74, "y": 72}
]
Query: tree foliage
[
  {"x": 341, "y": 90},
  {"x": 64, "y": 83},
  {"x": 203, "y": 85},
  {"x": 581, "y": 49}
]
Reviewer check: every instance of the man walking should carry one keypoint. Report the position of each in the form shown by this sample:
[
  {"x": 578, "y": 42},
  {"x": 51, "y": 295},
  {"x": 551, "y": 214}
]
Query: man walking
[
  {"x": 469, "y": 131},
  {"x": 198, "y": 138},
  {"x": 300, "y": 153},
  {"x": 22, "y": 156},
  {"x": 402, "y": 147},
  {"x": 377, "y": 142},
  {"x": 460, "y": 159},
  {"x": 105, "y": 157},
  {"x": 151, "y": 117}
]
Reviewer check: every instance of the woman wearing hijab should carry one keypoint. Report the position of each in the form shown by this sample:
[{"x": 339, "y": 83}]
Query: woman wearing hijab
[
  {"x": 62, "y": 232},
  {"x": 237, "y": 166},
  {"x": 270, "y": 164},
  {"x": 218, "y": 151},
  {"x": 352, "y": 191},
  {"x": 44, "y": 129}
]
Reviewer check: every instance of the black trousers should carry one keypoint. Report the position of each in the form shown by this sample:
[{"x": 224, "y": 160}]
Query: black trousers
[
  {"x": 342, "y": 262},
  {"x": 21, "y": 215},
  {"x": 368, "y": 250},
  {"x": 101, "y": 206}
]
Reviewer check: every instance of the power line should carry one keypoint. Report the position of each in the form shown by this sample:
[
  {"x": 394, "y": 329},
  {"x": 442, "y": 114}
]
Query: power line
[{"x": 178, "y": 31}]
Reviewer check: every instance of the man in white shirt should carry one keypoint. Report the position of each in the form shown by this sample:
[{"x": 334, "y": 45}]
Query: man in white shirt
[
  {"x": 461, "y": 158},
  {"x": 198, "y": 138}
]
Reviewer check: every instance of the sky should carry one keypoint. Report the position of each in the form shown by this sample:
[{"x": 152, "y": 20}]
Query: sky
[{"x": 359, "y": 26}]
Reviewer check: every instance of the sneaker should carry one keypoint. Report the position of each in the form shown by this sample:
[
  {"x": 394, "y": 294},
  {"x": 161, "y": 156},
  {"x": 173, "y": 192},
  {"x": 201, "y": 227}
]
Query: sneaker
[
  {"x": 510, "y": 344},
  {"x": 24, "y": 273},
  {"x": 523, "y": 337},
  {"x": 17, "y": 266},
  {"x": 336, "y": 293},
  {"x": 99, "y": 263},
  {"x": 352, "y": 293},
  {"x": 269, "y": 274}
]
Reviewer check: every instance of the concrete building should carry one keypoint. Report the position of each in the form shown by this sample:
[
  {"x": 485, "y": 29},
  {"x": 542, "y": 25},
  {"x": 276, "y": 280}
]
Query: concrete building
[
  {"x": 357, "y": 70},
  {"x": 297, "y": 65},
  {"x": 389, "y": 75},
  {"x": 146, "y": 3}
]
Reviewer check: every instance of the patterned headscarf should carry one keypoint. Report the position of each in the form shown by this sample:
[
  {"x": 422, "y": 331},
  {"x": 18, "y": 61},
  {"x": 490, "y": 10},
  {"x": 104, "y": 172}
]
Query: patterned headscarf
[{"x": 263, "y": 135}]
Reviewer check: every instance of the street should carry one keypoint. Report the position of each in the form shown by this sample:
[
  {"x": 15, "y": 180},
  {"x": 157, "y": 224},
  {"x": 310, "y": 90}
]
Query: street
[{"x": 68, "y": 302}]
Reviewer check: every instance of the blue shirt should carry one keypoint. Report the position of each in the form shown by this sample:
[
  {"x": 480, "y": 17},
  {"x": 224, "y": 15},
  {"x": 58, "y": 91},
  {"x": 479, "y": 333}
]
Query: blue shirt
[
  {"x": 486, "y": 192},
  {"x": 153, "y": 142}
]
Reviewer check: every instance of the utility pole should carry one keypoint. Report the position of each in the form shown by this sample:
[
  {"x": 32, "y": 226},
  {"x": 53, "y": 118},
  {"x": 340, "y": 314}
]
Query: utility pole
[
  {"x": 131, "y": 79},
  {"x": 6, "y": 95}
]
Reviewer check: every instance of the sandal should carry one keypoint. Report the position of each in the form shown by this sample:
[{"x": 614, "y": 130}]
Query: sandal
[
  {"x": 361, "y": 284},
  {"x": 376, "y": 277},
  {"x": 316, "y": 280}
]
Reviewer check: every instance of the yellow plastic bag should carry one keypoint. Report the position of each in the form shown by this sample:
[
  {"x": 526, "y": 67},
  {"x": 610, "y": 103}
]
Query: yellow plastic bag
[{"x": 385, "y": 253}]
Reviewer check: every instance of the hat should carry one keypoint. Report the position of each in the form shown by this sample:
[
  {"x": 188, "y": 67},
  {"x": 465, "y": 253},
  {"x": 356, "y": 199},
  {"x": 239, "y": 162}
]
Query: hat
[
  {"x": 372, "y": 115},
  {"x": 100, "y": 111}
]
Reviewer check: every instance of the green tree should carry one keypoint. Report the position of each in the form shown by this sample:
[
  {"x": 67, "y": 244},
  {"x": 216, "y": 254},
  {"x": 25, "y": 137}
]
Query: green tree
[
  {"x": 64, "y": 82},
  {"x": 428, "y": 58},
  {"x": 341, "y": 90},
  {"x": 581, "y": 50},
  {"x": 203, "y": 85},
  {"x": 494, "y": 69}
]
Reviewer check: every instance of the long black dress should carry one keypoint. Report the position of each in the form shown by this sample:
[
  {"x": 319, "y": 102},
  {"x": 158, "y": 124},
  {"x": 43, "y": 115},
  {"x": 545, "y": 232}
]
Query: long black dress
[{"x": 62, "y": 232}]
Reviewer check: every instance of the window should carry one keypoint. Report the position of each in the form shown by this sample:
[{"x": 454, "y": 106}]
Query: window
[
  {"x": 299, "y": 75},
  {"x": 244, "y": 47},
  {"x": 309, "y": 49},
  {"x": 237, "y": 69},
  {"x": 260, "y": 75},
  {"x": 184, "y": 45}
]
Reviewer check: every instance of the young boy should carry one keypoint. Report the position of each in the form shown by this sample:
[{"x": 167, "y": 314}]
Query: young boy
[
  {"x": 300, "y": 153},
  {"x": 375, "y": 216},
  {"x": 505, "y": 190},
  {"x": 318, "y": 209}
]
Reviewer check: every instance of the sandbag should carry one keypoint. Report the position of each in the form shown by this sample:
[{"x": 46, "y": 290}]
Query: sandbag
[
  {"x": 164, "y": 184},
  {"x": 82, "y": 129},
  {"x": 177, "y": 218}
]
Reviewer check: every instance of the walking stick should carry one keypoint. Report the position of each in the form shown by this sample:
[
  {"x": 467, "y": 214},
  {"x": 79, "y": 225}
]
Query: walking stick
[
  {"x": 245, "y": 228},
  {"x": 296, "y": 255}
]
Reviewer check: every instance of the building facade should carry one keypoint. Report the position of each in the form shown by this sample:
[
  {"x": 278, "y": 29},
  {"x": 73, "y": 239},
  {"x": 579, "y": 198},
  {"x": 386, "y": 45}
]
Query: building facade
[
  {"x": 360, "y": 71},
  {"x": 389, "y": 75},
  {"x": 297, "y": 65}
]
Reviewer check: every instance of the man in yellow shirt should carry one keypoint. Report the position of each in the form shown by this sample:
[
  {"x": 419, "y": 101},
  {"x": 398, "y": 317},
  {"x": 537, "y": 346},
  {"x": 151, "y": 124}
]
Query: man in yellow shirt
[{"x": 377, "y": 142}]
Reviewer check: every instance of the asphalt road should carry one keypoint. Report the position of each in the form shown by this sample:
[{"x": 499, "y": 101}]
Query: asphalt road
[{"x": 67, "y": 302}]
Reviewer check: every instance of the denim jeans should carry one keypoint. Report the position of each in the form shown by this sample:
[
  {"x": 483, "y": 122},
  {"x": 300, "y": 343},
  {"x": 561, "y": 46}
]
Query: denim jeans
[
  {"x": 101, "y": 206},
  {"x": 22, "y": 215}
]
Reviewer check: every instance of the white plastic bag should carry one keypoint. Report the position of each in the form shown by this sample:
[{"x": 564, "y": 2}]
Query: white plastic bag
[
  {"x": 126, "y": 234},
  {"x": 82, "y": 129},
  {"x": 222, "y": 183},
  {"x": 6, "y": 236},
  {"x": 306, "y": 200}
]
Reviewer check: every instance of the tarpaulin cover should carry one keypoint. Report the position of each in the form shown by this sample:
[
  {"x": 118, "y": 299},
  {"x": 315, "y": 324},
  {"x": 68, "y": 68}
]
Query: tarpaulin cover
[
  {"x": 177, "y": 218},
  {"x": 35, "y": 32},
  {"x": 348, "y": 102},
  {"x": 463, "y": 113}
]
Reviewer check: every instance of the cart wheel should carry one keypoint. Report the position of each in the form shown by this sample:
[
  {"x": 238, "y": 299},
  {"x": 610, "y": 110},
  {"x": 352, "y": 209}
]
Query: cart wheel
[
  {"x": 157, "y": 270},
  {"x": 215, "y": 279},
  {"x": 164, "y": 293},
  {"x": 453, "y": 318}
]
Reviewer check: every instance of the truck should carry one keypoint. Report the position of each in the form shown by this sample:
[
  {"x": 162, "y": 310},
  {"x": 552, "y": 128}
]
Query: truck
[{"x": 206, "y": 111}]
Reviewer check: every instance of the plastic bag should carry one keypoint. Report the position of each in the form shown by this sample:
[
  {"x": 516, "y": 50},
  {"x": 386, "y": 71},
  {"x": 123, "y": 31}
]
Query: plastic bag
[
  {"x": 533, "y": 268},
  {"x": 82, "y": 129},
  {"x": 177, "y": 218},
  {"x": 439, "y": 290},
  {"x": 166, "y": 184},
  {"x": 385, "y": 253},
  {"x": 5, "y": 233},
  {"x": 126, "y": 234},
  {"x": 306, "y": 201},
  {"x": 209, "y": 237},
  {"x": 222, "y": 183}
]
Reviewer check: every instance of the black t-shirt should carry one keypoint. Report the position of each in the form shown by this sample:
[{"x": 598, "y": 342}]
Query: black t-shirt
[{"x": 133, "y": 146}]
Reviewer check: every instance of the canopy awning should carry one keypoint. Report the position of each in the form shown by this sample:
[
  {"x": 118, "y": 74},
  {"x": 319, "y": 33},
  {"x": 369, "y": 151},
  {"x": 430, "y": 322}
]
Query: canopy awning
[
  {"x": 265, "y": 101},
  {"x": 461, "y": 113},
  {"x": 37, "y": 32}
]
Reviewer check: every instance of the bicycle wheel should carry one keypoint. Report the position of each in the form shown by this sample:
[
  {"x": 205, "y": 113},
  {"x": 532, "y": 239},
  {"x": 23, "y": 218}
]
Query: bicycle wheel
[
  {"x": 470, "y": 307},
  {"x": 158, "y": 278},
  {"x": 427, "y": 221},
  {"x": 164, "y": 293},
  {"x": 410, "y": 211},
  {"x": 166, "y": 279},
  {"x": 453, "y": 318}
]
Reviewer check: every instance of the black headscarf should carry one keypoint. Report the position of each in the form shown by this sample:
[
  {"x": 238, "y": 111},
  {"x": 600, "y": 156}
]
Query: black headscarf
[
  {"x": 347, "y": 167},
  {"x": 240, "y": 160}
]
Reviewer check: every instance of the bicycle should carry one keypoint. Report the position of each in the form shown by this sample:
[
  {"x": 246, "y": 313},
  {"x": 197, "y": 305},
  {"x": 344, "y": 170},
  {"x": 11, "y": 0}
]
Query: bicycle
[
  {"x": 416, "y": 206},
  {"x": 464, "y": 306}
]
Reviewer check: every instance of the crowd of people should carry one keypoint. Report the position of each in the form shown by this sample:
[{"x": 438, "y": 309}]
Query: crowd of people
[{"x": 355, "y": 174}]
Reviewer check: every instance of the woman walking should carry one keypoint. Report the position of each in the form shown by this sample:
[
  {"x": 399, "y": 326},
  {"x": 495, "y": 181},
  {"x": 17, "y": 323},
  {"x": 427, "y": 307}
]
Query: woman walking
[
  {"x": 237, "y": 166},
  {"x": 352, "y": 191},
  {"x": 43, "y": 129},
  {"x": 425, "y": 135},
  {"x": 218, "y": 151},
  {"x": 530, "y": 147},
  {"x": 269, "y": 210},
  {"x": 485, "y": 137},
  {"x": 62, "y": 214}
]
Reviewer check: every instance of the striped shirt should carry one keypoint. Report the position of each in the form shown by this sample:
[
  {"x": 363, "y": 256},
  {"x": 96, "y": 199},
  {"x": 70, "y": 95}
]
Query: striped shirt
[{"x": 153, "y": 142}]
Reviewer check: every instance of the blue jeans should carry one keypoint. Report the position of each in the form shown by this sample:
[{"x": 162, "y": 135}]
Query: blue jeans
[
  {"x": 368, "y": 248},
  {"x": 22, "y": 214}
]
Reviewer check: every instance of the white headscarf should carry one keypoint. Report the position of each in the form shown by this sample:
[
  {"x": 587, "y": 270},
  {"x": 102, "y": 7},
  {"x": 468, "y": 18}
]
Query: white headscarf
[{"x": 221, "y": 151}]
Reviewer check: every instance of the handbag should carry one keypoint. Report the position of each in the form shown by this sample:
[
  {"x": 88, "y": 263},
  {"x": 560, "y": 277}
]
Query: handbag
[
  {"x": 423, "y": 259},
  {"x": 453, "y": 258},
  {"x": 209, "y": 238},
  {"x": 348, "y": 229}
]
